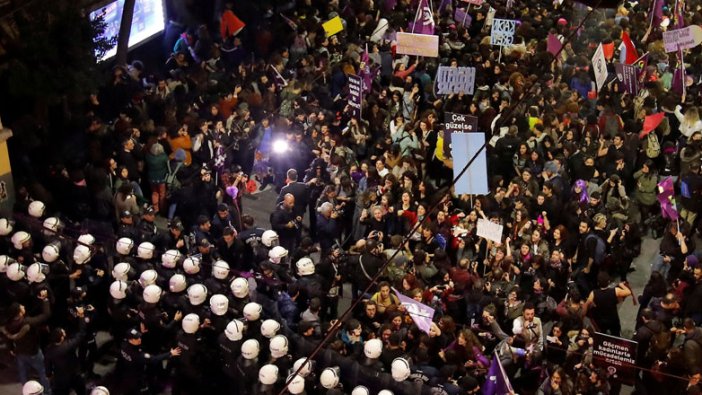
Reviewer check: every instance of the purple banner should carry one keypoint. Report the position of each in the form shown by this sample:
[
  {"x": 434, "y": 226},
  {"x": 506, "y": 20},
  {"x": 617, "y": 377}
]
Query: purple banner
[
  {"x": 628, "y": 74},
  {"x": 421, "y": 314},
  {"x": 462, "y": 17},
  {"x": 497, "y": 382},
  {"x": 424, "y": 20},
  {"x": 356, "y": 94}
]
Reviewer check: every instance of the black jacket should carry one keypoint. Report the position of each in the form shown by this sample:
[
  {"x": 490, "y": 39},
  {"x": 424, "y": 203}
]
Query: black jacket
[{"x": 301, "y": 193}]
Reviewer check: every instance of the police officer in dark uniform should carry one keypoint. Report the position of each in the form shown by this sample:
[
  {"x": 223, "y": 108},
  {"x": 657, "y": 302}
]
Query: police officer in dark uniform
[
  {"x": 189, "y": 367},
  {"x": 175, "y": 238},
  {"x": 133, "y": 362},
  {"x": 126, "y": 226},
  {"x": 229, "y": 346},
  {"x": 250, "y": 235},
  {"x": 148, "y": 231}
]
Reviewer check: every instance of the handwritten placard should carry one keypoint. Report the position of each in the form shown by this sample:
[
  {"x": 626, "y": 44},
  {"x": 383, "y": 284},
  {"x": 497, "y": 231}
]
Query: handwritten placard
[
  {"x": 502, "y": 32},
  {"x": 455, "y": 80},
  {"x": 599, "y": 65},
  {"x": 685, "y": 38},
  {"x": 490, "y": 230},
  {"x": 418, "y": 44}
]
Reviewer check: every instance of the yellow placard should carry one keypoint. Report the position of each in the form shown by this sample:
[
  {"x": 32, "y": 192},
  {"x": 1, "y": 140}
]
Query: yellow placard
[{"x": 333, "y": 26}]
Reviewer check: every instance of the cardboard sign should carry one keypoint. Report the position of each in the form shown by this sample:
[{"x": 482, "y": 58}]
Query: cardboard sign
[
  {"x": 475, "y": 180},
  {"x": 629, "y": 76},
  {"x": 417, "y": 44},
  {"x": 490, "y": 230},
  {"x": 685, "y": 38},
  {"x": 333, "y": 26},
  {"x": 599, "y": 65},
  {"x": 502, "y": 32},
  {"x": 454, "y": 80},
  {"x": 490, "y": 16},
  {"x": 355, "y": 94},
  {"x": 616, "y": 354},
  {"x": 457, "y": 123}
]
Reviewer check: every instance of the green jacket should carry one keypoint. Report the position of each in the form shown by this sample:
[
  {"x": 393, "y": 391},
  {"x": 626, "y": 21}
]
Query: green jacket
[
  {"x": 156, "y": 168},
  {"x": 646, "y": 188}
]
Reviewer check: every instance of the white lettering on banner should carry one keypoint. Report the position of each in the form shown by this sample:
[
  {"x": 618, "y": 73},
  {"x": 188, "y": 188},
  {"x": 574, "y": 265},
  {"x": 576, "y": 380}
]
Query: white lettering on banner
[
  {"x": 454, "y": 80},
  {"x": 502, "y": 32}
]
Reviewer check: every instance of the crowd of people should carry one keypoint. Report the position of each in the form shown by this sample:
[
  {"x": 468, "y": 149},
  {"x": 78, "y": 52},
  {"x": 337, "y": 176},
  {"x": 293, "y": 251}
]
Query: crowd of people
[{"x": 216, "y": 302}]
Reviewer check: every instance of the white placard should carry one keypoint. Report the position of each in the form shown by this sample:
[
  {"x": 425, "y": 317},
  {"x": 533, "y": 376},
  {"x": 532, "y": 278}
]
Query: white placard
[
  {"x": 599, "y": 65},
  {"x": 455, "y": 80},
  {"x": 490, "y": 230},
  {"x": 502, "y": 32}
]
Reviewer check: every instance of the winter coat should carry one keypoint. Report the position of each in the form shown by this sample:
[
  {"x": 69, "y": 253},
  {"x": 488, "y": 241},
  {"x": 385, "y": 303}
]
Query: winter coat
[{"x": 646, "y": 188}]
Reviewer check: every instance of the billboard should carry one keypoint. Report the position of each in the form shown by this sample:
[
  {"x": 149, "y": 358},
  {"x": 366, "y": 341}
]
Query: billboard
[{"x": 149, "y": 20}]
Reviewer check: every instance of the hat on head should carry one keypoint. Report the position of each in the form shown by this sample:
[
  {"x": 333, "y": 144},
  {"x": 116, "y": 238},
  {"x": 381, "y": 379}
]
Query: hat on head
[
  {"x": 692, "y": 261},
  {"x": 149, "y": 210},
  {"x": 125, "y": 214},
  {"x": 179, "y": 155},
  {"x": 222, "y": 207},
  {"x": 134, "y": 334}
]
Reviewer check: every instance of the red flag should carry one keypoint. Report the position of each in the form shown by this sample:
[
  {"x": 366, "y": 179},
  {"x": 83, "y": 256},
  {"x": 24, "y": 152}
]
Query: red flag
[
  {"x": 608, "y": 49},
  {"x": 650, "y": 123},
  {"x": 631, "y": 55}
]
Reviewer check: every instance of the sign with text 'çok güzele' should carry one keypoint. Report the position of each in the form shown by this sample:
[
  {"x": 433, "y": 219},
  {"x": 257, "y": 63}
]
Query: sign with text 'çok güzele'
[
  {"x": 455, "y": 80},
  {"x": 502, "y": 32}
]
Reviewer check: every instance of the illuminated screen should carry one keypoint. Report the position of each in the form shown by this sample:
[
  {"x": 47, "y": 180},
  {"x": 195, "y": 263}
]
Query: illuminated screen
[{"x": 149, "y": 20}]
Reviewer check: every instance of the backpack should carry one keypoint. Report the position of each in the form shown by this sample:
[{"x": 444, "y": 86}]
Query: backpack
[
  {"x": 600, "y": 252},
  {"x": 653, "y": 147},
  {"x": 172, "y": 182},
  {"x": 658, "y": 345}
]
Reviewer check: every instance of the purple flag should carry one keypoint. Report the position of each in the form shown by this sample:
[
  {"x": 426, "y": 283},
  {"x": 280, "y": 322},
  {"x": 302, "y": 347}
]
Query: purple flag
[
  {"x": 496, "y": 382},
  {"x": 553, "y": 44},
  {"x": 421, "y": 314},
  {"x": 365, "y": 72},
  {"x": 424, "y": 20},
  {"x": 462, "y": 17},
  {"x": 666, "y": 197}
]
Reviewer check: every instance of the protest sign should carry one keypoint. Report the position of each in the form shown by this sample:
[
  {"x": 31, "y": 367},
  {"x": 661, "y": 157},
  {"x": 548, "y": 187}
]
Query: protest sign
[
  {"x": 685, "y": 38},
  {"x": 490, "y": 16},
  {"x": 332, "y": 26},
  {"x": 490, "y": 230},
  {"x": 599, "y": 65},
  {"x": 502, "y": 32},
  {"x": 457, "y": 123},
  {"x": 454, "y": 80},
  {"x": 421, "y": 314},
  {"x": 615, "y": 354},
  {"x": 355, "y": 94},
  {"x": 629, "y": 76},
  {"x": 475, "y": 180},
  {"x": 417, "y": 44}
]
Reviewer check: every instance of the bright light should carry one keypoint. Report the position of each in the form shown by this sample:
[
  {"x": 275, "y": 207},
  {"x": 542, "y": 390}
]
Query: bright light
[{"x": 280, "y": 146}]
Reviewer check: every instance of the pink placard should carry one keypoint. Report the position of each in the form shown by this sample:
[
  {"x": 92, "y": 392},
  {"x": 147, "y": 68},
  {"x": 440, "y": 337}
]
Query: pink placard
[{"x": 418, "y": 44}]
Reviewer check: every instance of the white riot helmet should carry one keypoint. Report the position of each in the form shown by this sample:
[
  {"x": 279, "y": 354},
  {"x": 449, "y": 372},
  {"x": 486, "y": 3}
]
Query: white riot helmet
[
  {"x": 36, "y": 209},
  {"x": 268, "y": 374},
  {"x": 121, "y": 271},
  {"x": 269, "y": 238},
  {"x": 305, "y": 267},
  {"x": 400, "y": 369},
  {"x": 5, "y": 261},
  {"x": 118, "y": 289},
  {"x": 145, "y": 250},
  {"x": 191, "y": 323},
  {"x": 329, "y": 378},
  {"x": 305, "y": 364},
  {"x": 250, "y": 349},
  {"x": 51, "y": 226},
  {"x": 269, "y": 328},
  {"x": 240, "y": 287},
  {"x": 32, "y": 387},
  {"x": 277, "y": 253},
  {"x": 220, "y": 270},
  {"x": 252, "y": 311},
  {"x": 373, "y": 348},
  {"x": 360, "y": 390},
  {"x": 219, "y": 304},
  {"x": 124, "y": 246},
  {"x": 86, "y": 239},
  {"x": 152, "y": 294},
  {"x": 191, "y": 265},
  {"x": 296, "y": 384},
  {"x": 278, "y": 346},
  {"x": 148, "y": 277},
  {"x": 6, "y": 226},
  {"x": 50, "y": 253},
  {"x": 170, "y": 258},
  {"x": 19, "y": 238},
  {"x": 100, "y": 390},
  {"x": 34, "y": 273},
  {"x": 15, "y": 271},
  {"x": 82, "y": 254},
  {"x": 385, "y": 392},
  {"x": 177, "y": 283},
  {"x": 197, "y": 294},
  {"x": 234, "y": 330}
]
